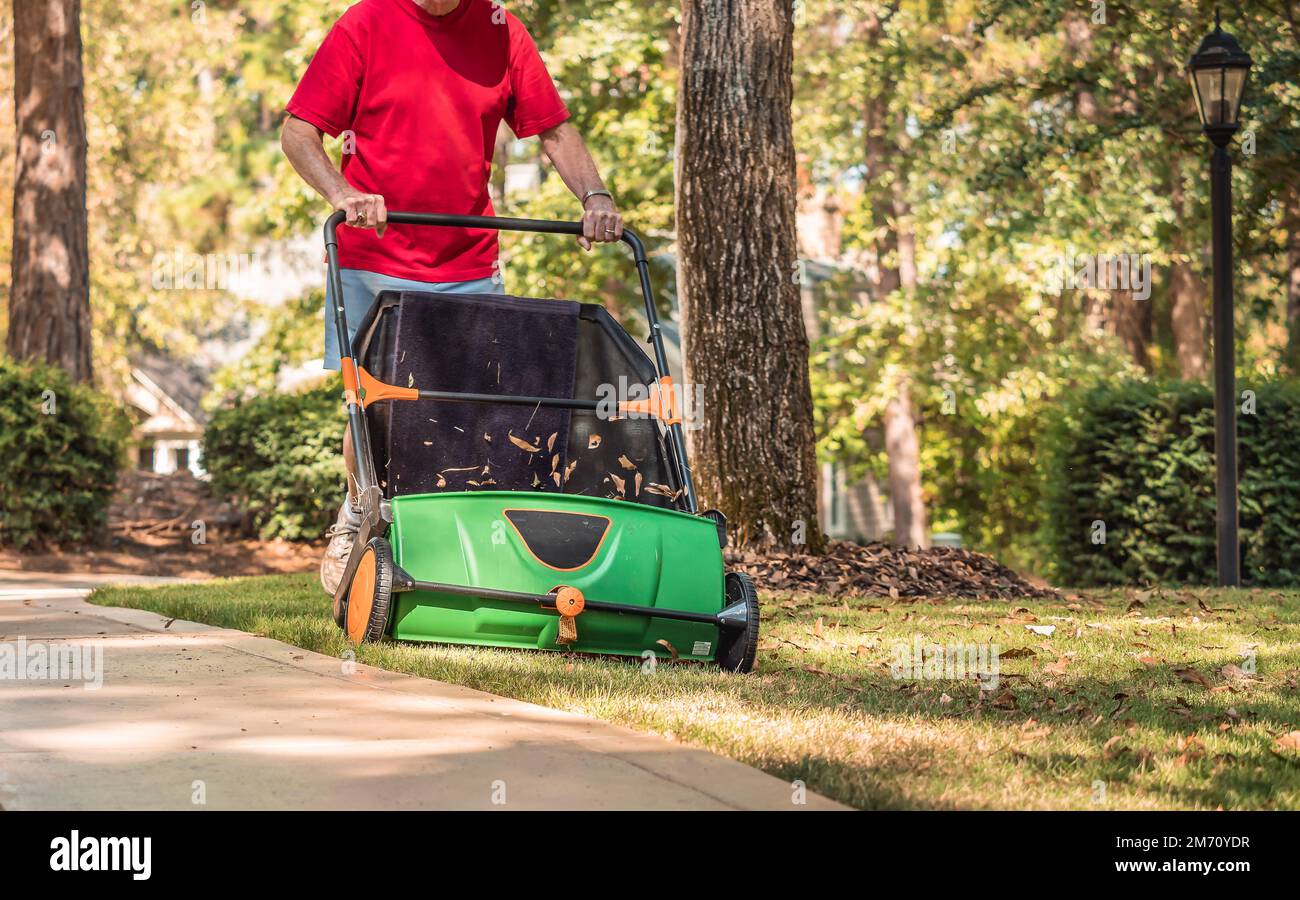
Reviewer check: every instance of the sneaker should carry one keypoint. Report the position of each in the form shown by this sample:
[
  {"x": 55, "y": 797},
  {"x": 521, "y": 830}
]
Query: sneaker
[{"x": 341, "y": 535}]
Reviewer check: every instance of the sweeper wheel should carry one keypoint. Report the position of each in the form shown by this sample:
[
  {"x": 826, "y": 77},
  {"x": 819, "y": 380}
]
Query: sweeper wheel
[
  {"x": 370, "y": 593},
  {"x": 738, "y": 647}
]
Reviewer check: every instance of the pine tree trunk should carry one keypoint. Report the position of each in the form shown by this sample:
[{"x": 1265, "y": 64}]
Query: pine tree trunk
[
  {"x": 745, "y": 342},
  {"x": 49, "y": 301}
]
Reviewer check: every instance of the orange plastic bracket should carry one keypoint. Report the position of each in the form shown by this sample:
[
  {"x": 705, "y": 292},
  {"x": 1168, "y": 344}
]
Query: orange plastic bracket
[
  {"x": 350, "y": 385},
  {"x": 662, "y": 403},
  {"x": 375, "y": 390}
]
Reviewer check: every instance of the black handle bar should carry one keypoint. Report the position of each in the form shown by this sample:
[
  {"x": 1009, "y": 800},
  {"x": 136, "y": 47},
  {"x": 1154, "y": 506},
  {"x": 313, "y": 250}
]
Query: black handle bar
[{"x": 495, "y": 223}]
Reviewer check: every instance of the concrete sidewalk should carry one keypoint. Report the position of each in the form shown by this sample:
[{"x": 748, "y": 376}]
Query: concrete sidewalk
[{"x": 189, "y": 712}]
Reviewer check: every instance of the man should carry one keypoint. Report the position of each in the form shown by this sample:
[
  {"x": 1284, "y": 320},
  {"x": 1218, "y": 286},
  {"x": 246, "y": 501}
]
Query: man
[{"x": 418, "y": 89}]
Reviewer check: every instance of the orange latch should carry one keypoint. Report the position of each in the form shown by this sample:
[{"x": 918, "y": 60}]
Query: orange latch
[
  {"x": 662, "y": 403},
  {"x": 569, "y": 603}
]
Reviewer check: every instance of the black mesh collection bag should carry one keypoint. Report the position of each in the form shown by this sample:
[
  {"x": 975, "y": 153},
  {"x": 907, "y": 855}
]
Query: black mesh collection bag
[{"x": 520, "y": 346}]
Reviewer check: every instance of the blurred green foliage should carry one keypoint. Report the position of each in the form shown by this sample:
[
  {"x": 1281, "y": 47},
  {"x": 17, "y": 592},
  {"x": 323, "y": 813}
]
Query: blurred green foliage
[
  {"x": 279, "y": 456},
  {"x": 1128, "y": 500},
  {"x": 61, "y": 445}
]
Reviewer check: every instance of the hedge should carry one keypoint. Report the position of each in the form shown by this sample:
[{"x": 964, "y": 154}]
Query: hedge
[
  {"x": 1137, "y": 459},
  {"x": 61, "y": 446},
  {"x": 279, "y": 457}
]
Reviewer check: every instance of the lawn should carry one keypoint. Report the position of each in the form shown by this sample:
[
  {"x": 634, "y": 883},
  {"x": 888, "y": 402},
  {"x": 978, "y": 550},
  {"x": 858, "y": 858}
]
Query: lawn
[{"x": 1165, "y": 699}]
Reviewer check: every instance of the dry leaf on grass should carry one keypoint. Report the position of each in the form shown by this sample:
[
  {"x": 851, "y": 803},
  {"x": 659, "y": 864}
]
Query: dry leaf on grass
[
  {"x": 1191, "y": 676},
  {"x": 1288, "y": 744}
]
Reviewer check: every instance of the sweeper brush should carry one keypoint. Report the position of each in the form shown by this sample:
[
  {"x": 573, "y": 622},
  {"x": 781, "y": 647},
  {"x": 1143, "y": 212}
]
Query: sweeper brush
[{"x": 522, "y": 477}]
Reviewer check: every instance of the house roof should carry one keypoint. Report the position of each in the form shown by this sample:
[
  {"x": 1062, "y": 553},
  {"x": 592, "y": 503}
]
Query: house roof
[{"x": 183, "y": 384}]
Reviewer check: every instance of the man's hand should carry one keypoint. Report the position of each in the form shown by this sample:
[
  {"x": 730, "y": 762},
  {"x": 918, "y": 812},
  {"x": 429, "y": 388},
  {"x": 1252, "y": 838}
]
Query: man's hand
[
  {"x": 364, "y": 210},
  {"x": 601, "y": 222}
]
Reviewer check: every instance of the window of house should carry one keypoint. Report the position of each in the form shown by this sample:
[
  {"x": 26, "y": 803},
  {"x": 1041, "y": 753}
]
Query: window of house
[
  {"x": 182, "y": 458},
  {"x": 145, "y": 459}
]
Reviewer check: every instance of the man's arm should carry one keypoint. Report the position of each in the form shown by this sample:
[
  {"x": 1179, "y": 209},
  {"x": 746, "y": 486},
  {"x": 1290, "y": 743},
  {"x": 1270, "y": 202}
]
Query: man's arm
[
  {"x": 302, "y": 144},
  {"x": 601, "y": 222}
]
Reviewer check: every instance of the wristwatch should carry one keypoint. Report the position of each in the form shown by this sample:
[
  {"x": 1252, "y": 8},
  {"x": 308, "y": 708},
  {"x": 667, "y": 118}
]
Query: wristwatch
[{"x": 596, "y": 193}]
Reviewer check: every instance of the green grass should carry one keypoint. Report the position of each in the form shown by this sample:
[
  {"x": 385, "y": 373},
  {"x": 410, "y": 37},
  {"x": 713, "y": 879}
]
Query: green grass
[{"x": 1098, "y": 717}]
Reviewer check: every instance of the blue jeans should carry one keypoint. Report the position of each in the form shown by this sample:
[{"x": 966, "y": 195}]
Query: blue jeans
[{"x": 360, "y": 289}]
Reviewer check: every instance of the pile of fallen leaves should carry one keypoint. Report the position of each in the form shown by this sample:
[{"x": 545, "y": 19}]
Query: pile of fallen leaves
[{"x": 879, "y": 570}]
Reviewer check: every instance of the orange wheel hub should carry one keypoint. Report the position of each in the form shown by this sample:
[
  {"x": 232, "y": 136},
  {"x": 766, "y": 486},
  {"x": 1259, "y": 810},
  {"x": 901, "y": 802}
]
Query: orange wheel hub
[{"x": 361, "y": 597}]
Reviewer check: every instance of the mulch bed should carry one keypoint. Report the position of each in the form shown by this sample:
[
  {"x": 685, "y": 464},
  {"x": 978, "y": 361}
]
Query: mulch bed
[
  {"x": 151, "y": 532},
  {"x": 879, "y": 570}
]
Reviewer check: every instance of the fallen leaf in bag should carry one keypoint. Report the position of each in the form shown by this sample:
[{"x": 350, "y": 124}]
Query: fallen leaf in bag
[
  {"x": 619, "y": 483},
  {"x": 487, "y": 437},
  {"x": 555, "y": 476},
  {"x": 593, "y": 442},
  {"x": 555, "y": 462},
  {"x": 550, "y": 441},
  {"x": 637, "y": 482},
  {"x": 523, "y": 444},
  {"x": 667, "y": 646},
  {"x": 661, "y": 490},
  {"x": 626, "y": 463},
  {"x": 568, "y": 470}
]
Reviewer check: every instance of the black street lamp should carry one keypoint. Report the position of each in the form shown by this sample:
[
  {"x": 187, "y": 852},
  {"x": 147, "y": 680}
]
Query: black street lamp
[{"x": 1218, "y": 71}]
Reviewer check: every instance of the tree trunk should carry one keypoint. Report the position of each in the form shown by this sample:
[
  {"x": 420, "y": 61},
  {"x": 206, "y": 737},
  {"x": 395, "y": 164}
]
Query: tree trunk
[
  {"x": 1132, "y": 324},
  {"x": 1292, "y": 225},
  {"x": 744, "y": 335},
  {"x": 1187, "y": 292},
  {"x": 885, "y": 152},
  {"x": 49, "y": 302},
  {"x": 1187, "y": 319},
  {"x": 903, "y": 448}
]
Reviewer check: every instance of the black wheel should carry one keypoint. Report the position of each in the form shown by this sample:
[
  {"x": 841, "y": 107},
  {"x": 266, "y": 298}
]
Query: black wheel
[
  {"x": 738, "y": 647},
  {"x": 370, "y": 593}
]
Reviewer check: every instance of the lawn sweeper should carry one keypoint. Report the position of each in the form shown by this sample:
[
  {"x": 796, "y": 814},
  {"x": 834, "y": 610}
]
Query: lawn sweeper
[{"x": 521, "y": 471}]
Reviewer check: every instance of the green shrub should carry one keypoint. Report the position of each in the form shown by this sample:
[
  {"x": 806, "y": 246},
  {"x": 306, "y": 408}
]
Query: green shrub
[
  {"x": 61, "y": 445},
  {"x": 1139, "y": 457},
  {"x": 280, "y": 458}
]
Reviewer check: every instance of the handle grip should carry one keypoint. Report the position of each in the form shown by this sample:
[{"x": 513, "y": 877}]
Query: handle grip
[{"x": 495, "y": 223}]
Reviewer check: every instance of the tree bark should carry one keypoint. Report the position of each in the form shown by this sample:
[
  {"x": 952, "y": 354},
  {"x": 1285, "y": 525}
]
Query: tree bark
[
  {"x": 1292, "y": 224},
  {"x": 885, "y": 151},
  {"x": 49, "y": 302},
  {"x": 1132, "y": 323},
  {"x": 1188, "y": 295},
  {"x": 1187, "y": 320},
  {"x": 745, "y": 343}
]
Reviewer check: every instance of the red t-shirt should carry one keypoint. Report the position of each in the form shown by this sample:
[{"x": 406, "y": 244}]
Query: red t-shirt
[{"x": 423, "y": 96}]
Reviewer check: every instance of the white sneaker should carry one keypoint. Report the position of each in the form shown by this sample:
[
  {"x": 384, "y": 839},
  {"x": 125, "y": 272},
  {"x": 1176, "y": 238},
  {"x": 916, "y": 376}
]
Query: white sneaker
[{"x": 342, "y": 534}]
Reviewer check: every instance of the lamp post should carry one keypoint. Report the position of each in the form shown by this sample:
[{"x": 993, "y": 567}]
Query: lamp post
[{"x": 1218, "y": 71}]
